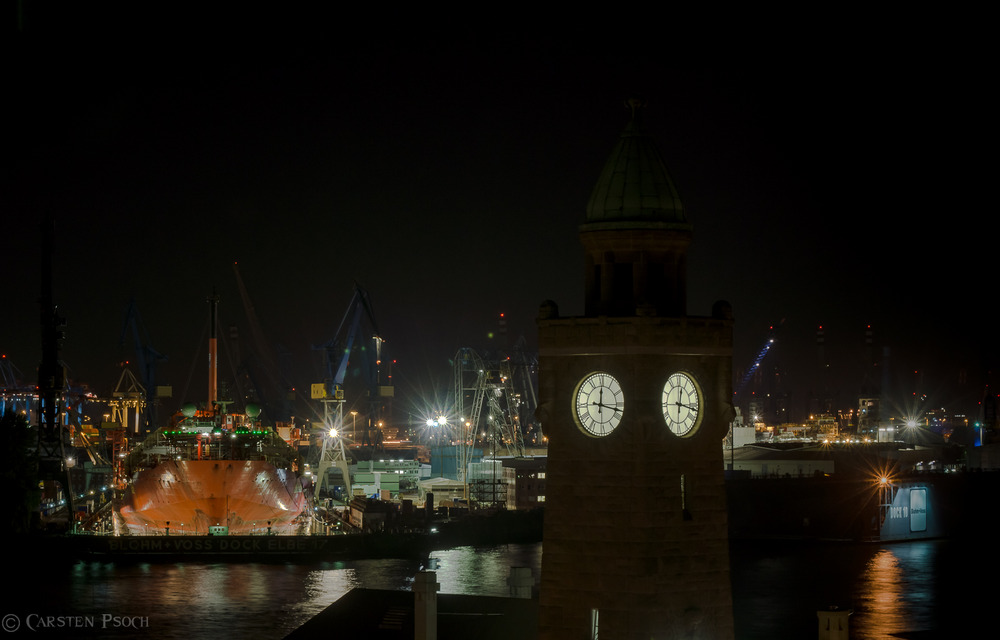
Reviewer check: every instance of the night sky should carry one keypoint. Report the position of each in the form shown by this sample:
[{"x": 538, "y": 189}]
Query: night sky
[{"x": 829, "y": 183}]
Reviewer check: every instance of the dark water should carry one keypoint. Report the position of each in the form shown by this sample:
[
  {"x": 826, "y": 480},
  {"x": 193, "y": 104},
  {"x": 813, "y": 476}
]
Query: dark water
[
  {"x": 908, "y": 589},
  {"x": 892, "y": 589}
]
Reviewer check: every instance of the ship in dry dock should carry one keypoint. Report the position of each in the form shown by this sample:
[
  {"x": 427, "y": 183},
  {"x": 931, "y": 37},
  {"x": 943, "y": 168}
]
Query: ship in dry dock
[{"x": 213, "y": 472}]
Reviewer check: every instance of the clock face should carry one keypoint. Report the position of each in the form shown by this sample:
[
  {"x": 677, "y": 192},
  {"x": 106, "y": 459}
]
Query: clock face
[
  {"x": 598, "y": 404},
  {"x": 681, "y": 404}
]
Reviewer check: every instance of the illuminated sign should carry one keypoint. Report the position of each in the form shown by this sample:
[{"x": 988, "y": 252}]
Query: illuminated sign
[{"x": 918, "y": 509}]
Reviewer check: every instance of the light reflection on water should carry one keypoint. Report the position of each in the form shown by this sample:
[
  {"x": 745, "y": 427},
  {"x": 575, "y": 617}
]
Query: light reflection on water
[
  {"x": 895, "y": 592},
  {"x": 900, "y": 590},
  {"x": 195, "y": 600},
  {"x": 879, "y": 595},
  {"x": 892, "y": 589},
  {"x": 483, "y": 571}
]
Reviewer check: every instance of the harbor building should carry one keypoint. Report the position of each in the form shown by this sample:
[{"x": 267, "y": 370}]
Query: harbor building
[
  {"x": 525, "y": 480},
  {"x": 635, "y": 397}
]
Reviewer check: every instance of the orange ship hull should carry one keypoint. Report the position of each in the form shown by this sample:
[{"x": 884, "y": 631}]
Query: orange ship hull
[{"x": 189, "y": 496}]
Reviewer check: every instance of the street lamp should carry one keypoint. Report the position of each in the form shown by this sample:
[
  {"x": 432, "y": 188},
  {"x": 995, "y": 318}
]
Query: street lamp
[
  {"x": 354, "y": 429},
  {"x": 436, "y": 427}
]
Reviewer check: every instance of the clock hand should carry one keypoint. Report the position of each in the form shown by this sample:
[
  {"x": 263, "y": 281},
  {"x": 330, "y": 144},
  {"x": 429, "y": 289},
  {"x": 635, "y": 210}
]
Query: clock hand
[{"x": 607, "y": 406}]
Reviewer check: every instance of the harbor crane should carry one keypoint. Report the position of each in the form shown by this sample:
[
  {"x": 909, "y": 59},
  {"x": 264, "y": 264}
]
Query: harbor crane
[
  {"x": 336, "y": 357},
  {"x": 15, "y": 396},
  {"x": 147, "y": 358},
  {"x": 755, "y": 364},
  {"x": 53, "y": 438},
  {"x": 748, "y": 375},
  {"x": 480, "y": 382},
  {"x": 523, "y": 376},
  {"x": 260, "y": 366},
  {"x": 470, "y": 391}
]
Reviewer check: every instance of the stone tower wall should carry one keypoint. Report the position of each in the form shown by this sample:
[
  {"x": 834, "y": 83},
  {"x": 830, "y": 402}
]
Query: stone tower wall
[{"x": 635, "y": 523}]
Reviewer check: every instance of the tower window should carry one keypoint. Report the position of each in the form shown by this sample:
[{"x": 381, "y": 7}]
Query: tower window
[
  {"x": 623, "y": 293},
  {"x": 684, "y": 503},
  {"x": 595, "y": 284}
]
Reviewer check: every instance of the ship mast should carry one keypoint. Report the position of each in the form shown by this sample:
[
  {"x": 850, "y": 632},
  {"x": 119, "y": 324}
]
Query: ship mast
[{"x": 213, "y": 352}]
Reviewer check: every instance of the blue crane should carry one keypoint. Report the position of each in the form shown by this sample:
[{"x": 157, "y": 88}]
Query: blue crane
[
  {"x": 337, "y": 355},
  {"x": 752, "y": 369},
  {"x": 147, "y": 358},
  {"x": 338, "y": 350}
]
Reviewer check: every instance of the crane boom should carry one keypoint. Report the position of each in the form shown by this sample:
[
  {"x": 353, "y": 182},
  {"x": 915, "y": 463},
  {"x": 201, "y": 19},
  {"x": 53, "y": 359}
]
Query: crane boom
[
  {"x": 261, "y": 367},
  {"x": 755, "y": 364}
]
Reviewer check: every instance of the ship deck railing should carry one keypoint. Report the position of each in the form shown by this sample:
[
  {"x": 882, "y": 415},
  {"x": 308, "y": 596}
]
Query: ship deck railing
[{"x": 158, "y": 447}]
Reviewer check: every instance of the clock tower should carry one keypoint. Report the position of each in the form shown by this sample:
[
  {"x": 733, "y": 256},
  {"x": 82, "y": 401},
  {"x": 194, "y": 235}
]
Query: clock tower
[{"x": 635, "y": 397}]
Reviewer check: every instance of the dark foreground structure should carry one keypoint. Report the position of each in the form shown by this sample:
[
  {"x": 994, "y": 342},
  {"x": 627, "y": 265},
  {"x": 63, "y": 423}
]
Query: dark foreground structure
[{"x": 377, "y": 614}]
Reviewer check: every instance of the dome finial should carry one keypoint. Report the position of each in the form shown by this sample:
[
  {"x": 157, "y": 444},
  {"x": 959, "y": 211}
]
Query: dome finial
[{"x": 634, "y": 104}]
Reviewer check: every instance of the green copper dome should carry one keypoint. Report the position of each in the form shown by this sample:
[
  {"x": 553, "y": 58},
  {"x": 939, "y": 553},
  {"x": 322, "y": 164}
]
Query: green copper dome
[{"x": 634, "y": 190}]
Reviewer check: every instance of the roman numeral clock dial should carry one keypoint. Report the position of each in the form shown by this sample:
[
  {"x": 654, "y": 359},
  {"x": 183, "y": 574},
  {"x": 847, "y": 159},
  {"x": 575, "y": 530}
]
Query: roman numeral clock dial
[
  {"x": 598, "y": 404},
  {"x": 681, "y": 404}
]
